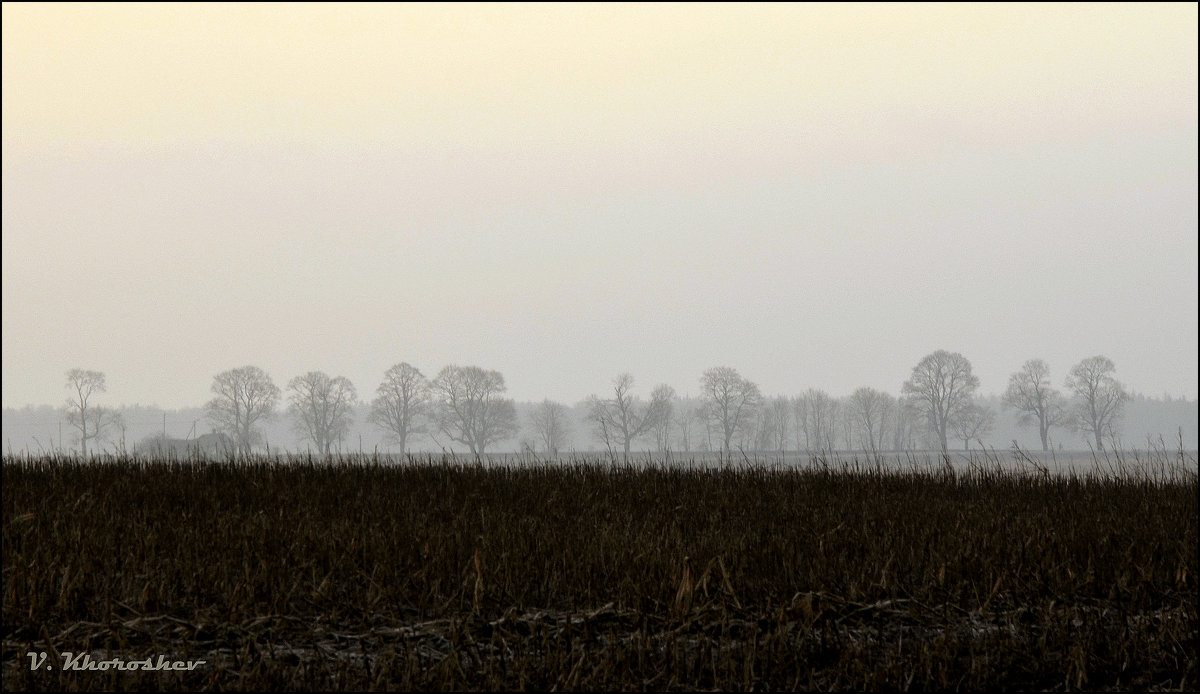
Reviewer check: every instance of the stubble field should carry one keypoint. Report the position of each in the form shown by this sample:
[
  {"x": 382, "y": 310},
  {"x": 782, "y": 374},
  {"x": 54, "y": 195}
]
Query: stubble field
[{"x": 363, "y": 573}]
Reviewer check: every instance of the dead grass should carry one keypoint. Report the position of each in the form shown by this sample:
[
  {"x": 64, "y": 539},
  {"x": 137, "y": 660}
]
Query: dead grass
[{"x": 362, "y": 574}]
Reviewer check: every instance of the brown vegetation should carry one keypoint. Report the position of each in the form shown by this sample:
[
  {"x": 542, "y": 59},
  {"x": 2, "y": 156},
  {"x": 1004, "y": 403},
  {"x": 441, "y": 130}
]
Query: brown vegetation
[{"x": 362, "y": 574}]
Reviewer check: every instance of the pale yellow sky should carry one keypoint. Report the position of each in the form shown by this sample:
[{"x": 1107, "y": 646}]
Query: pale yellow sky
[
  {"x": 817, "y": 195},
  {"x": 478, "y": 74}
]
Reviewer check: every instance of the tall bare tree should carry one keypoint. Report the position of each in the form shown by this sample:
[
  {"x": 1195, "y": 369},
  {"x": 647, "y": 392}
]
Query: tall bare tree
[
  {"x": 470, "y": 407},
  {"x": 817, "y": 418},
  {"x": 1035, "y": 399},
  {"x": 731, "y": 401},
  {"x": 551, "y": 425},
  {"x": 89, "y": 419},
  {"x": 663, "y": 398},
  {"x": 777, "y": 415},
  {"x": 869, "y": 410},
  {"x": 944, "y": 385},
  {"x": 322, "y": 408},
  {"x": 621, "y": 419},
  {"x": 1099, "y": 396},
  {"x": 401, "y": 404},
  {"x": 244, "y": 397}
]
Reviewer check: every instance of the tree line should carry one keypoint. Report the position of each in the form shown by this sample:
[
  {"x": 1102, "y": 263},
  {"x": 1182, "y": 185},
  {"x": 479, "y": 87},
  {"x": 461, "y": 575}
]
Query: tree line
[{"x": 466, "y": 405}]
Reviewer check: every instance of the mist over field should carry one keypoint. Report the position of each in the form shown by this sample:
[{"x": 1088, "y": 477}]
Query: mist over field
[{"x": 1146, "y": 424}]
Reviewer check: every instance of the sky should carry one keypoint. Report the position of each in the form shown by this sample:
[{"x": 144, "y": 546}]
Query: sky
[{"x": 815, "y": 195}]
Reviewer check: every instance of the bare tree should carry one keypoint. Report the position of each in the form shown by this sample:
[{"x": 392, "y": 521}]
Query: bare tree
[
  {"x": 732, "y": 401},
  {"x": 401, "y": 404},
  {"x": 943, "y": 385},
  {"x": 470, "y": 407},
  {"x": 322, "y": 408},
  {"x": 1035, "y": 400},
  {"x": 602, "y": 423},
  {"x": 817, "y": 416},
  {"x": 771, "y": 427},
  {"x": 973, "y": 422},
  {"x": 869, "y": 409},
  {"x": 118, "y": 422},
  {"x": 89, "y": 419},
  {"x": 846, "y": 423},
  {"x": 800, "y": 417},
  {"x": 686, "y": 416},
  {"x": 1099, "y": 396},
  {"x": 621, "y": 419},
  {"x": 712, "y": 427},
  {"x": 663, "y": 399},
  {"x": 887, "y": 423},
  {"x": 777, "y": 417},
  {"x": 551, "y": 425},
  {"x": 905, "y": 420},
  {"x": 823, "y": 410},
  {"x": 245, "y": 396},
  {"x": 756, "y": 434}
]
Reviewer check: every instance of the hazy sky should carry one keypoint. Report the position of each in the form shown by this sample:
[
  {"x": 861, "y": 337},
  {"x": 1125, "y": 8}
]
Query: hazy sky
[{"x": 816, "y": 195}]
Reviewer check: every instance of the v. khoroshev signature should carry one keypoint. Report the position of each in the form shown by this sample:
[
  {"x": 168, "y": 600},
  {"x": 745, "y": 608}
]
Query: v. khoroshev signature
[{"x": 84, "y": 661}]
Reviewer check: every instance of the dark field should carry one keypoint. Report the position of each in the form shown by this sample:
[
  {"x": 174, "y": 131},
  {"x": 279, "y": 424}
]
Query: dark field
[{"x": 297, "y": 574}]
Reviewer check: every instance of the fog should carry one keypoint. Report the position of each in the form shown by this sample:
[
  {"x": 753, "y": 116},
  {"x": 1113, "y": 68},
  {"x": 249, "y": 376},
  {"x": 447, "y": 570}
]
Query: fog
[{"x": 816, "y": 196}]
